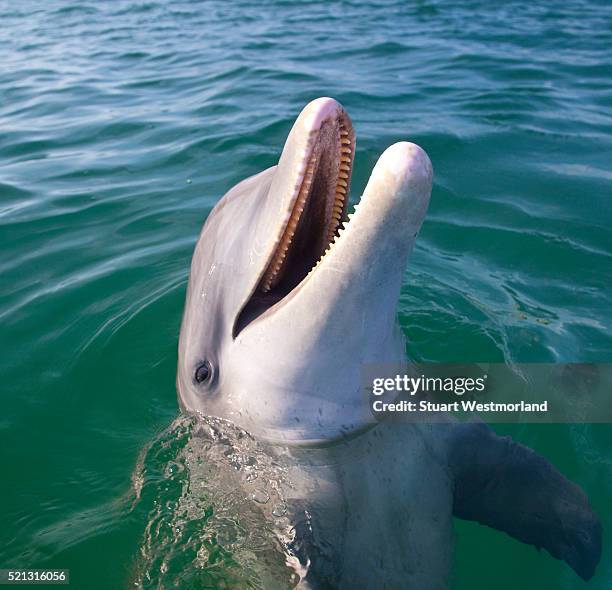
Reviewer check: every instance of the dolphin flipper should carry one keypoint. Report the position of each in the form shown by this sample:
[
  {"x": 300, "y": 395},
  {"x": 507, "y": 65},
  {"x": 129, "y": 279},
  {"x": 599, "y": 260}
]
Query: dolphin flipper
[{"x": 503, "y": 484}]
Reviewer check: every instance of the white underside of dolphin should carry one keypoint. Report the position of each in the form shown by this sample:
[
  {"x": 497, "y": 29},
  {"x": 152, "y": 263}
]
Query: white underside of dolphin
[{"x": 288, "y": 298}]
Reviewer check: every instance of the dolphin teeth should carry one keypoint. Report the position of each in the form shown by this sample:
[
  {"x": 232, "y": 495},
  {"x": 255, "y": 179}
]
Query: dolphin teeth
[{"x": 309, "y": 176}]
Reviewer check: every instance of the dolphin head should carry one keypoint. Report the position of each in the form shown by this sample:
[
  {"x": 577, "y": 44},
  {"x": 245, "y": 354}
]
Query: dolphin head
[{"x": 289, "y": 296}]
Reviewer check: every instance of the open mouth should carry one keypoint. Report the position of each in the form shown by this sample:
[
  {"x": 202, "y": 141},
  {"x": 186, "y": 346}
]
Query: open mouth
[{"x": 319, "y": 209}]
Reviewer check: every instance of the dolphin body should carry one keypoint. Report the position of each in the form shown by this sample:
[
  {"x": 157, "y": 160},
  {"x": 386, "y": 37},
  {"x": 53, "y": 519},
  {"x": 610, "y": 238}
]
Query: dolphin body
[{"x": 288, "y": 297}]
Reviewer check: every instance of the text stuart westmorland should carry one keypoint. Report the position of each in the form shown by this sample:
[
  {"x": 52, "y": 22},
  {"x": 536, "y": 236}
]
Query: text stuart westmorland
[{"x": 422, "y": 385}]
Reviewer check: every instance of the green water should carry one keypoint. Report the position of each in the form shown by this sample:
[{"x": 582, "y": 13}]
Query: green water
[{"x": 122, "y": 123}]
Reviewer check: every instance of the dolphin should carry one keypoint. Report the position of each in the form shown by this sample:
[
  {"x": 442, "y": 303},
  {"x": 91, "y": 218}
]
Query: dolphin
[{"x": 289, "y": 296}]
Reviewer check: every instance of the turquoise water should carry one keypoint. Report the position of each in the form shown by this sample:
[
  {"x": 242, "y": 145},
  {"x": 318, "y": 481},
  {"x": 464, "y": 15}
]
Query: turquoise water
[{"x": 122, "y": 124}]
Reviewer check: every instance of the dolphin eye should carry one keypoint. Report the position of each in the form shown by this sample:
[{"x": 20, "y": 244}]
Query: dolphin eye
[{"x": 204, "y": 372}]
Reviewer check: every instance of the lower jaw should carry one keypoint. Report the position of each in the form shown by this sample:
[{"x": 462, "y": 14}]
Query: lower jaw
[{"x": 306, "y": 435}]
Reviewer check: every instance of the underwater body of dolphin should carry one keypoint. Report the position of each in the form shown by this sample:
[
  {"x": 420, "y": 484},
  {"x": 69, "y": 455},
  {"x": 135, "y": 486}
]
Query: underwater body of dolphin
[{"x": 288, "y": 297}]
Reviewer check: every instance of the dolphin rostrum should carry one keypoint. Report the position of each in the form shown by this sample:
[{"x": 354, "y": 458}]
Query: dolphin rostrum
[{"x": 288, "y": 298}]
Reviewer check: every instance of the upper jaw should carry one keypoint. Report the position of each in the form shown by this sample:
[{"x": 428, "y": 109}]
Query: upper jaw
[
  {"x": 320, "y": 197},
  {"x": 311, "y": 185}
]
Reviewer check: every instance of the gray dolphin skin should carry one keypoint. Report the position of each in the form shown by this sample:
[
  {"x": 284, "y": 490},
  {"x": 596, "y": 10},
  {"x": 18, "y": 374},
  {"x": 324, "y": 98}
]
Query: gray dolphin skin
[{"x": 288, "y": 297}]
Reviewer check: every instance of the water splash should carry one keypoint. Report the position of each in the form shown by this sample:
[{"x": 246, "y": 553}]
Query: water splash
[{"x": 215, "y": 511}]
